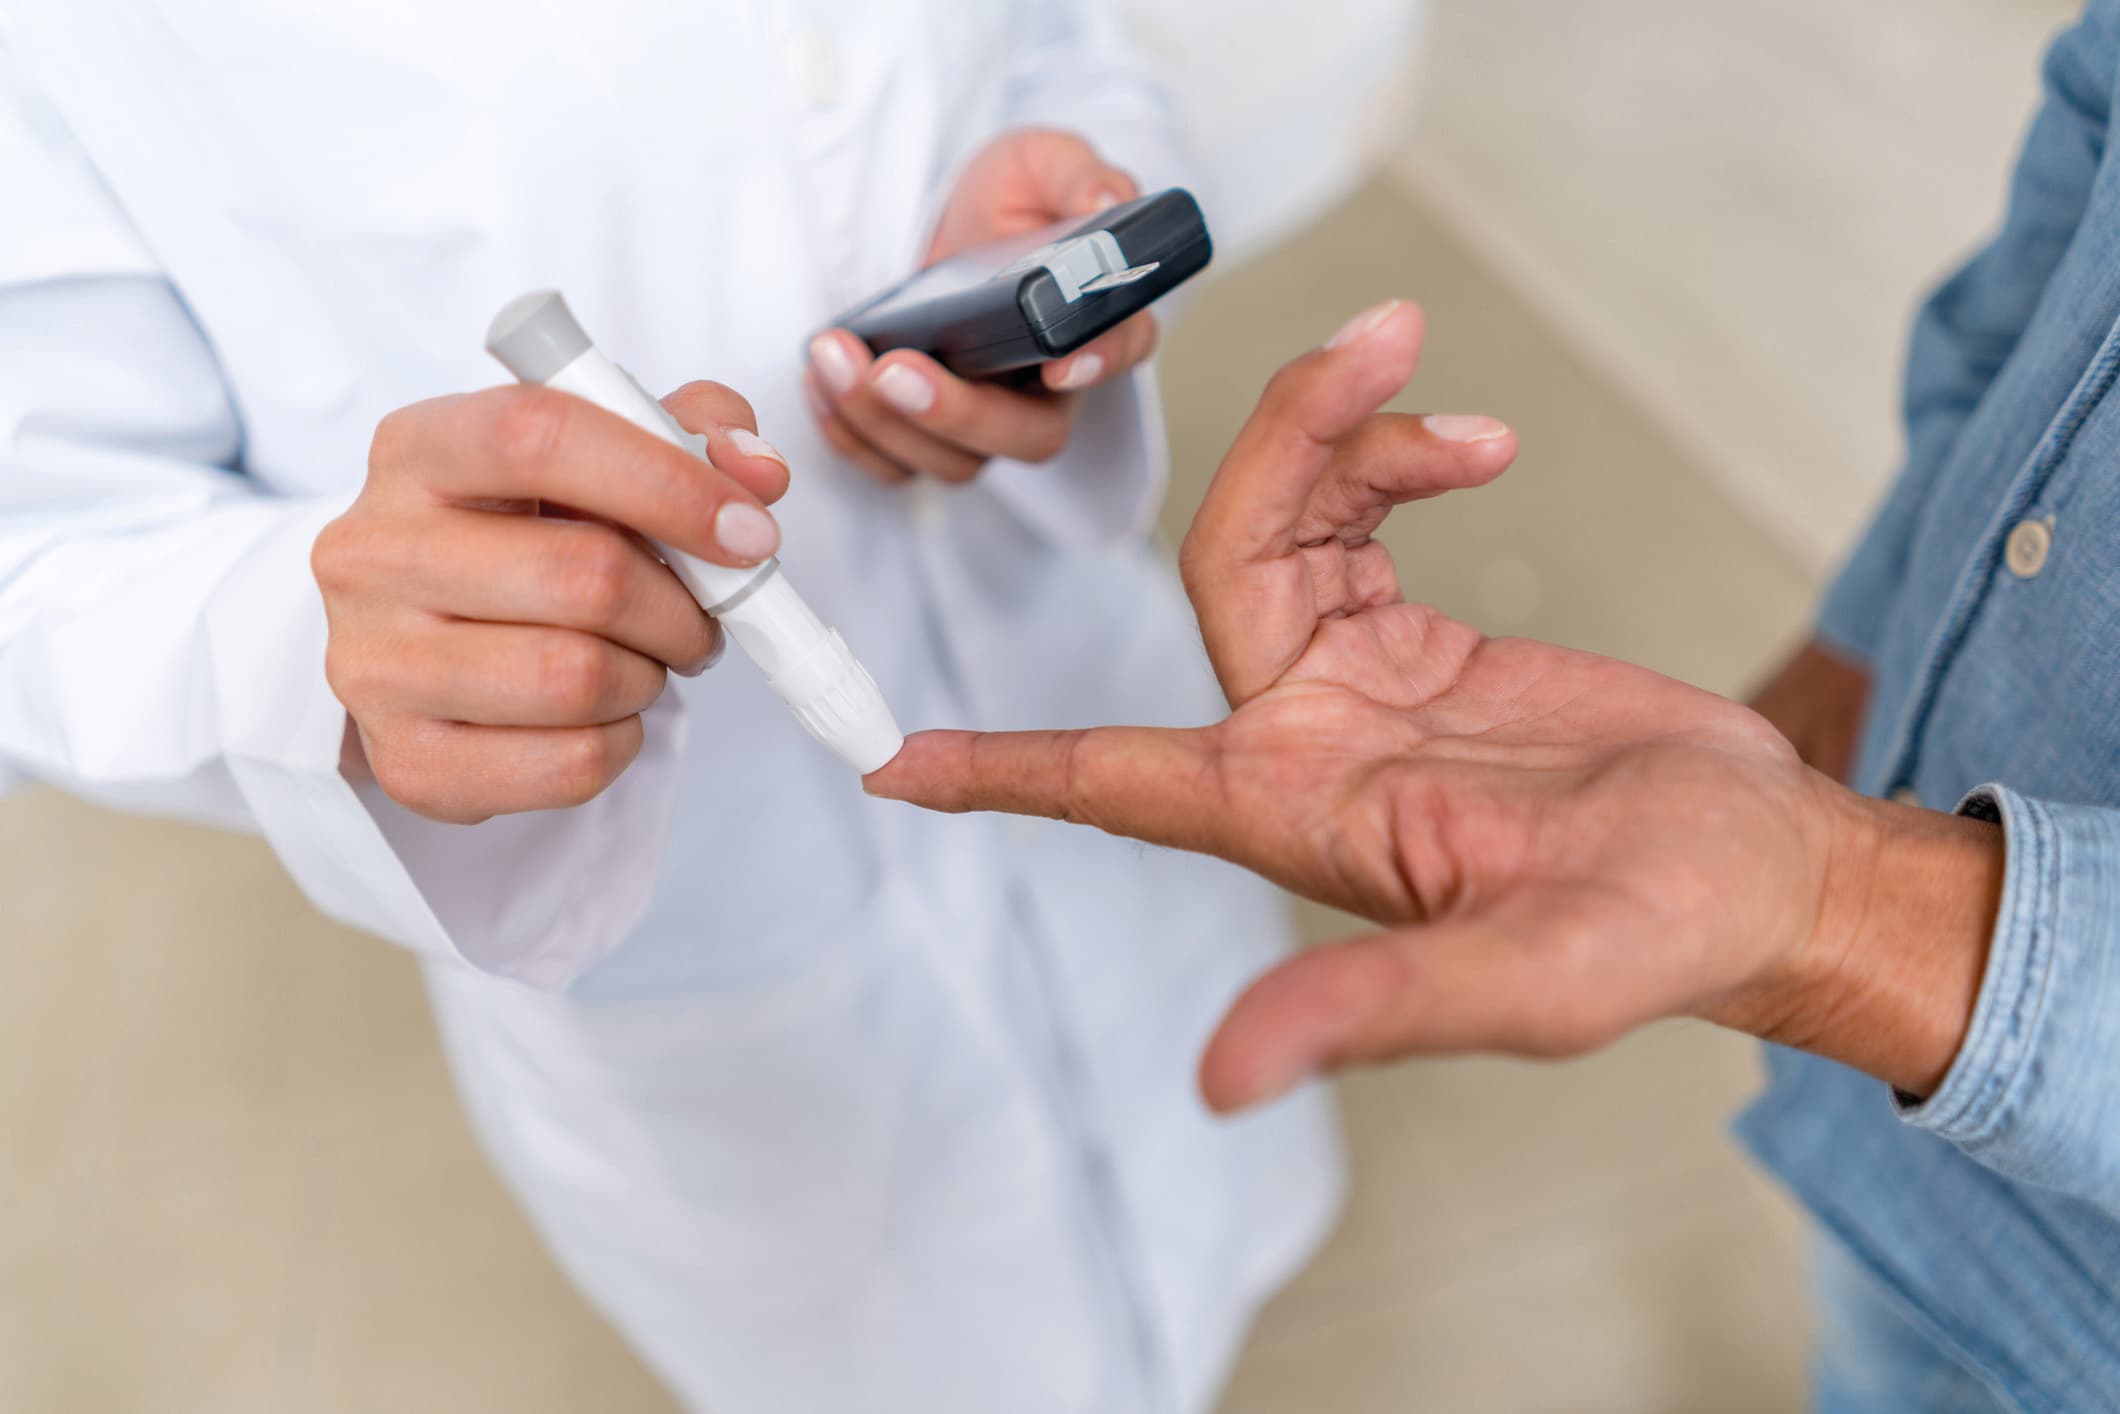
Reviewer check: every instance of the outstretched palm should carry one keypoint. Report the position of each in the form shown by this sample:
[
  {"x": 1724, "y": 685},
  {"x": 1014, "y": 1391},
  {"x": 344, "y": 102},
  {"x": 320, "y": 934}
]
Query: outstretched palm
[
  {"x": 1553, "y": 837},
  {"x": 1410, "y": 770}
]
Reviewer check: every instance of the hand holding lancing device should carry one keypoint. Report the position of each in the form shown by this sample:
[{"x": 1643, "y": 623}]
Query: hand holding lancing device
[
  {"x": 904, "y": 415},
  {"x": 497, "y": 621}
]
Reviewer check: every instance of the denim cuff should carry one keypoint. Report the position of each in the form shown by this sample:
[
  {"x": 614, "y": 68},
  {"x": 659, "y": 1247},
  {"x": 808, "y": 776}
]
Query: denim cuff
[{"x": 2034, "y": 1092}]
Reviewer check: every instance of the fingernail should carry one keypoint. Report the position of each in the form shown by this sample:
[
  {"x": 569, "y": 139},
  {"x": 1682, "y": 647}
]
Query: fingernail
[
  {"x": 834, "y": 364},
  {"x": 753, "y": 445},
  {"x": 905, "y": 390},
  {"x": 1080, "y": 372},
  {"x": 1104, "y": 200},
  {"x": 1362, "y": 324},
  {"x": 1464, "y": 427},
  {"x": 746, "y": 531}
]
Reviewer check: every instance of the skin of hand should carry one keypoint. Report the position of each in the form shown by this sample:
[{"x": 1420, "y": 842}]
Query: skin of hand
[
  {"x": 904, "y": 415},
  {"x": 497, "y": 624},
  {"x": 1561, "y": 846},
  {"x": 1816, "y": 700}
]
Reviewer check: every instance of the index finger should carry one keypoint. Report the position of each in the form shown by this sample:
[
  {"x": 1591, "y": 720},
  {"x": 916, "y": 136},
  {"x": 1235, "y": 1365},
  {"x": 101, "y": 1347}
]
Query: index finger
[
  {"x": 1156, "y": 784},
  {"x": 520, "y": 441}
]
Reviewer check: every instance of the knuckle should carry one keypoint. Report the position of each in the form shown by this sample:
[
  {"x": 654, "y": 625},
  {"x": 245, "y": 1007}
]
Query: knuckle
[
  {"x": 702, "y": 640},
  {"x": 358, "y": 552},
  {"x": 408, "y": 773},
  {"x": 346, "y": 672},
  {"x": 334, "y": 554},
  {"x": 1048, "y": 439},
  {"x": 1281, "y": 389},
  {"x": 682, "y": 494},
  {"x": 592, "y": 573},
  {"x": 392, "y": 437},
  {"x": 413, "y": 792},
  {"x": 573, "y": 675},
  {"x": 585, "y": 762},
  {"x": 530, "y": 427}
]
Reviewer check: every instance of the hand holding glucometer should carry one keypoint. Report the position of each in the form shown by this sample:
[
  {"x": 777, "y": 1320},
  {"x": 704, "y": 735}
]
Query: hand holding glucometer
[
  {"x": 1013, "y": 304},
  {"x": 904, "y": 394}
]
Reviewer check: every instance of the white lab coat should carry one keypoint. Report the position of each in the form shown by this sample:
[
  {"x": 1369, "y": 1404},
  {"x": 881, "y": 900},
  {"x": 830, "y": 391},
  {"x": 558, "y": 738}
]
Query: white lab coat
[{"x": 829, "y": 1104}]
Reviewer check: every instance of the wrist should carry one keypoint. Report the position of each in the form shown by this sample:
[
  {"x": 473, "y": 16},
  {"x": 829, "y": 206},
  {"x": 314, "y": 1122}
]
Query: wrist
[{"x": 1888, "y": 976}]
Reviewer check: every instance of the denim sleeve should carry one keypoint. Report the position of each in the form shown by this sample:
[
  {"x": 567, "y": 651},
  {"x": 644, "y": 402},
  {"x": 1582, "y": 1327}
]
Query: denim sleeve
[
  {"x": 2035, "y": 1090},
  {"x": 1970, "y": 325}
]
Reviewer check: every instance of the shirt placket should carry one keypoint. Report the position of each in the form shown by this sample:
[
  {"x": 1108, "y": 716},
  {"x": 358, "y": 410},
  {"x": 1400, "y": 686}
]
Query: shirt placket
[{"x": 2017, "y": 538}]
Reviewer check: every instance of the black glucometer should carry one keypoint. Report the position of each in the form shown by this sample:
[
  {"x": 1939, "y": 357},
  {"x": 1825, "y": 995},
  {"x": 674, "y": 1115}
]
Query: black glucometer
[{"x": 997, "y": 308}]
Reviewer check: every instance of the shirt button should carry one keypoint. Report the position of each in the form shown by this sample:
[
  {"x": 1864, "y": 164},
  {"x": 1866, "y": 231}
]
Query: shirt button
[
  {"x": 813, "y": 59},
  {"x": 1906, "y": 795},
  {"x": 2027, "y": 549}
]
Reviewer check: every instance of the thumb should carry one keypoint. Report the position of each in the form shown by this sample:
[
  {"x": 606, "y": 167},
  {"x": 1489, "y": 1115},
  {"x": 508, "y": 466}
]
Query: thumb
[
  {"x": 1070, "y": 178},
  {"x": 1095, "y": 187},
  {"x": 1525, "y": 985}
]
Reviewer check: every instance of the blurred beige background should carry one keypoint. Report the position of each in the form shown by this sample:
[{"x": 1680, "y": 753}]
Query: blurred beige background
[{"x": 1673, "y": 244}]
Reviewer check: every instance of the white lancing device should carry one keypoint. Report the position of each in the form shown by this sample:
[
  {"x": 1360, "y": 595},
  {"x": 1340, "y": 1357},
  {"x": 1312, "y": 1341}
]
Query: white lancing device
[{"x": 805, "y": 662}]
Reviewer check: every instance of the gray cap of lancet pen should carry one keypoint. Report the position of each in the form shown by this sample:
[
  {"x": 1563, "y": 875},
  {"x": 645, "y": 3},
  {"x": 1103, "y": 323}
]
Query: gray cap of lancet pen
[{"x": 535, "y": 336}]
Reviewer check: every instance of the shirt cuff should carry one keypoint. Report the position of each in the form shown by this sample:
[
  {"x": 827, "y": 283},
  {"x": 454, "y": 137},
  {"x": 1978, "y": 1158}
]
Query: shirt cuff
[
  {"x": 2034, "y": 1092},
  {"x": 1105, "y": 488}
]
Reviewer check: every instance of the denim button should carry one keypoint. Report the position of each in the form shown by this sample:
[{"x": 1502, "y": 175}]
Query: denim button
[{"x": 2027, "y": 549}]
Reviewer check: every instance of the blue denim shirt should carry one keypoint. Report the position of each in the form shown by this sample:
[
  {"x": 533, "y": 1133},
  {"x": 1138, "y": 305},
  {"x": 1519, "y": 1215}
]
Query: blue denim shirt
[{"x": 1986, "y": 601}]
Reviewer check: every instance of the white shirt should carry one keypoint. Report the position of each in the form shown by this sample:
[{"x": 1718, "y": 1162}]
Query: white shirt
[{"x": 257, "y": 227}]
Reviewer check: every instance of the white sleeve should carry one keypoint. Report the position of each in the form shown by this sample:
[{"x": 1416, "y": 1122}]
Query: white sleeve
[
  {"x": 1078, "y": 71},
  {"x": 162, "y": 640}
]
